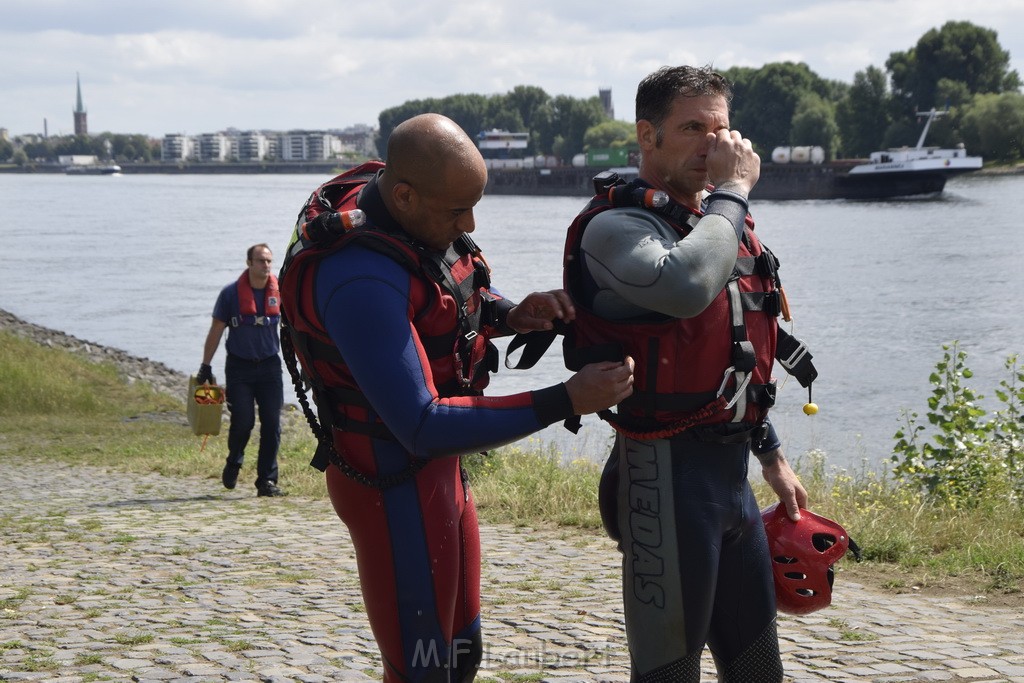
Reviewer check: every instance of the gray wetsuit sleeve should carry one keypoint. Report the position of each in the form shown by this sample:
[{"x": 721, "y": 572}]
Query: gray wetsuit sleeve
[{"x": 639, "y": 263}]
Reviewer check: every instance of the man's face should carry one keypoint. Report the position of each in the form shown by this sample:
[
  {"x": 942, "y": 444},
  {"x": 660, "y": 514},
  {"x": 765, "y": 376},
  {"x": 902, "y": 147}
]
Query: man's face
[
  {"x": 259, "y": 265},
  {"x": 678, "y": 161},
  {"x": 439, "y": 217}
]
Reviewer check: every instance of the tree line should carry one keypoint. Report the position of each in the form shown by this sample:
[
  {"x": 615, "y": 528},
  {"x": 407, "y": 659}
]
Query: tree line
[
  {"x": 120, "y": 147},
  {"x": 959, "y": 67}
]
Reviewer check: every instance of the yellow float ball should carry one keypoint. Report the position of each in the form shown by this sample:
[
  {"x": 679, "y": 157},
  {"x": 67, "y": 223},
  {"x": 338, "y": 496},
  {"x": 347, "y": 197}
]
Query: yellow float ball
[{"x": 810, "y": 408}]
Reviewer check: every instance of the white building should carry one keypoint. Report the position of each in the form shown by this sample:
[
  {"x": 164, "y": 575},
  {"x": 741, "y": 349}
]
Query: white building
[
  {"x": 309, "y": 146},
  {"x": 214, "y": 147},
  {"x": 177, "y": 147},
  {"x": 253, "y": 146}
]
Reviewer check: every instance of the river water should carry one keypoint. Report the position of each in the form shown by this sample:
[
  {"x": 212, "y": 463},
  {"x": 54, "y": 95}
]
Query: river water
[{"x": 876, "y": 288}]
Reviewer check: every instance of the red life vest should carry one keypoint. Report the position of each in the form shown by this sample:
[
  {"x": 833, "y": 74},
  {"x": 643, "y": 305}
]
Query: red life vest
[
  {"x": 247, "y": 303},
  {"x": 456, "y": 314},
  {"x": 687, "y": 370}
]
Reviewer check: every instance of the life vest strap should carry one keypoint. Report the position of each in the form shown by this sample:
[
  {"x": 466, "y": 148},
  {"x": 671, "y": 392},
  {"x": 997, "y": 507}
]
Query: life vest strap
[
  {"x": 650, "y": 402},
  {"x": 769, "y": 302},
  {"x": 255, "y": 320},
  {"x": 621, "y": 424},
  {"x": 535, "y": 345}
]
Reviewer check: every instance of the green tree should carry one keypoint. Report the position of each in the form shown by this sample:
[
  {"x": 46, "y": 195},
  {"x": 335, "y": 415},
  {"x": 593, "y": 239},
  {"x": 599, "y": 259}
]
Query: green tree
[
  {"x": 765, "y": 114},
  {"x": 959, "y": 51},
  {"x": 35, "y": 151},
  {"x": 501, "y": 116},
  {"x": 740, "y": 78},
  {"x": 469, "y": 111},
  {"x": 6, "y": 150},
  {"x": 72, "y": 144},
  {"x": 610, "y": 134},
  {"x": 19, "y": 157},
  {"x": 526, "y": 100},
  {"x": 814, "y": 123},
  {"x": 472, "y": 112},
  {"x": 864, "y": 113},
  {"x": 993, "y": 126},
  {"x": 560, "y": 124},
  {"x": 388, "y": 119}
]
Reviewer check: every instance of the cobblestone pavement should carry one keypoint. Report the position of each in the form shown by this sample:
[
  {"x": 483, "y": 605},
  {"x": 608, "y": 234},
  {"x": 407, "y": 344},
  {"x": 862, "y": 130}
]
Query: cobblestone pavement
[{"x": 114, "y": 576}]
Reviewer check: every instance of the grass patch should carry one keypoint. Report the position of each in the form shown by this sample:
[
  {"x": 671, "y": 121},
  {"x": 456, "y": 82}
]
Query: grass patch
[
  {"x": 12, "y": 603},
  {"x": 56, "y": 404},
  {"x": 850, "y": 634},
  {"x": 233, "y": 645},
  {"x": 133, "y": 638},
  {"x": 37, "y": 663},
  {"x": 530, "y": 487}
]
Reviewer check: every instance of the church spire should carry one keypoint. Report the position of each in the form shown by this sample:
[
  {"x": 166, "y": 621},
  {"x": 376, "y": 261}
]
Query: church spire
[
  {"x": 79, "y": 109},
  {"x": 81, "y": 123}
]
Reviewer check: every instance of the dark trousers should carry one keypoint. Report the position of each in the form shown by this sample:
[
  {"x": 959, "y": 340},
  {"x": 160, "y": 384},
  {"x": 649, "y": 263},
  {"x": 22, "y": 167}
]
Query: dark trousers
[{"x": 260, "y": 383}]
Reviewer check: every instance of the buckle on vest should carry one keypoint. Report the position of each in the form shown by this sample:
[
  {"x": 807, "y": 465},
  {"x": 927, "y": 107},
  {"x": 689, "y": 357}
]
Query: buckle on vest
[
  {"x": 794, "y": 358},
  {"x": 260, "y": 320},
  {"x": 470, "y": 336},
  {"x": 739, "y": 390}
]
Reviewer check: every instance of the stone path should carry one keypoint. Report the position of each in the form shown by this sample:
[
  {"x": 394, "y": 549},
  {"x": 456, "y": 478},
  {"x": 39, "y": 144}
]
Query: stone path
[{"x": 112, "y": 576}]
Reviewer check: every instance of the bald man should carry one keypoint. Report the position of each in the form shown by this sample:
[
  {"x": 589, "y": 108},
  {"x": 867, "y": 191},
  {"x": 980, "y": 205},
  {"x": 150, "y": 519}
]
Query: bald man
[{"x": 392, "y": 325}]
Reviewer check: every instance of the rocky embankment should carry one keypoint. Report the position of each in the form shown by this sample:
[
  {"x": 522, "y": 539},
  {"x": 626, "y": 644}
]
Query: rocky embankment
[{"x": 132, "y": 368}]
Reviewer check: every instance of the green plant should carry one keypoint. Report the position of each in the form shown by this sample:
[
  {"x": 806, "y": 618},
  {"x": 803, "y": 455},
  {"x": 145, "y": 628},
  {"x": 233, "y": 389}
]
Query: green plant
[{"x": 967, "y": 455}]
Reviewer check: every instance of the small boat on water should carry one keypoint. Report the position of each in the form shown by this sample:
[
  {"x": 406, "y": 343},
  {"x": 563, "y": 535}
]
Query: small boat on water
[{"x": 92, "y": 169}]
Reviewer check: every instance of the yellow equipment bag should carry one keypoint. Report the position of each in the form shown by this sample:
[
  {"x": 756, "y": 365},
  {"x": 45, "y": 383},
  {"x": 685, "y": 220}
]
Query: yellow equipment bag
[{"x": 204, "y": 407}]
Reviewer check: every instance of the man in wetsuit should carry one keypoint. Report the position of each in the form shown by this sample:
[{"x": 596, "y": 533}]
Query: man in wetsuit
[
  {"x": 683, "y": 289},
  {"x": 386, "y": 345}
]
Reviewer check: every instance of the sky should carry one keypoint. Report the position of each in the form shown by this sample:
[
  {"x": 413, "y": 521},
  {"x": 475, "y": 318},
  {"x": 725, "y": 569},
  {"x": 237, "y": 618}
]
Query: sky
[{"x": 197, "y": 66}]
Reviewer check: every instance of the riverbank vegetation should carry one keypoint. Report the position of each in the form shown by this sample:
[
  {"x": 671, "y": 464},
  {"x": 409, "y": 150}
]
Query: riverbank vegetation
[{"x": 947, "y": 515}]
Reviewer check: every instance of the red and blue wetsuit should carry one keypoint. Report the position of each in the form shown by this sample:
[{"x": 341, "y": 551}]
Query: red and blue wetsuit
[{"x": 400, "y": 404}]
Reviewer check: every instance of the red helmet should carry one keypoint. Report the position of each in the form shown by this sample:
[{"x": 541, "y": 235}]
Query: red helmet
[{"x": 802, "y": 555}]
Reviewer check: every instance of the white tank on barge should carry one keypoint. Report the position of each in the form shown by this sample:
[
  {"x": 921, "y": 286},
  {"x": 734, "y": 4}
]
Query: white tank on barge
[{"x": 802, "y": 154}]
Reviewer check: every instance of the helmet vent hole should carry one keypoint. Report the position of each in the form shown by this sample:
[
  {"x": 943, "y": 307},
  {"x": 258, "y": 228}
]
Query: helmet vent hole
[
  {"x": 823, "y": 542},
  {"x": 796, "y": 576},
  {"x": 784, "y": 559},
  {"x": 805, "y": 592}
]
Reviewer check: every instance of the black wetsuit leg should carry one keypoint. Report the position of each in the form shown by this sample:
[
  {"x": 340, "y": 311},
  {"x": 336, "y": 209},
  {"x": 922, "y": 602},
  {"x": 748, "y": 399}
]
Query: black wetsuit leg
[{"x": 695, "y": 562}]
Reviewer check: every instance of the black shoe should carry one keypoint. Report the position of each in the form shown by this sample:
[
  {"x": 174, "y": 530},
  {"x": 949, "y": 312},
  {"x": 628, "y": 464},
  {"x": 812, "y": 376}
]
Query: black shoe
[
  {"x": 269, "y": 488},
  {"x": 230, "y": 475}
]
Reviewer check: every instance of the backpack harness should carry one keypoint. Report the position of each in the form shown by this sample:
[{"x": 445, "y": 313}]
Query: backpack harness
[
  {"x": 648, "y": 406},
  {"x": 327, "y": 222}
]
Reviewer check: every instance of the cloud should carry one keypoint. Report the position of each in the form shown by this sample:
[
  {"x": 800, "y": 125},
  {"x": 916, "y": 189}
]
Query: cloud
[{"x": 196, "y": 66}]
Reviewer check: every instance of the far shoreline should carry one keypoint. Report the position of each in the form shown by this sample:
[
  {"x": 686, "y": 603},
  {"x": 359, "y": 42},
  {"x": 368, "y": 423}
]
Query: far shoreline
[{"x": 315, "y": 168}]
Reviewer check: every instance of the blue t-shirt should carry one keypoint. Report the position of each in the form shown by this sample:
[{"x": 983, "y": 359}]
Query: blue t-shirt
[{"x": 252, "y": 342}]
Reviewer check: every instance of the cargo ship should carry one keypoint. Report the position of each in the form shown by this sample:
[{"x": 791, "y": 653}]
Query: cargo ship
[{"x": 793, "y": 173}]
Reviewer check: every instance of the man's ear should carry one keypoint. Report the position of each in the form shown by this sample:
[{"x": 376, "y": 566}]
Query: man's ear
[
  {"x": 646, "y": 134},
  {"x": 404, "y": 196}
]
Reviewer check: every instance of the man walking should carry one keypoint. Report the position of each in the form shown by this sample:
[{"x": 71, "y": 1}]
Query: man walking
[{"x": 251, "y": 308}]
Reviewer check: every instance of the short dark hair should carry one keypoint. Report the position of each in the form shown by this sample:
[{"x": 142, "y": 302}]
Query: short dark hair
[
  {"x": 657, "y": 92},
  {"x": 253, "y": 248}
]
